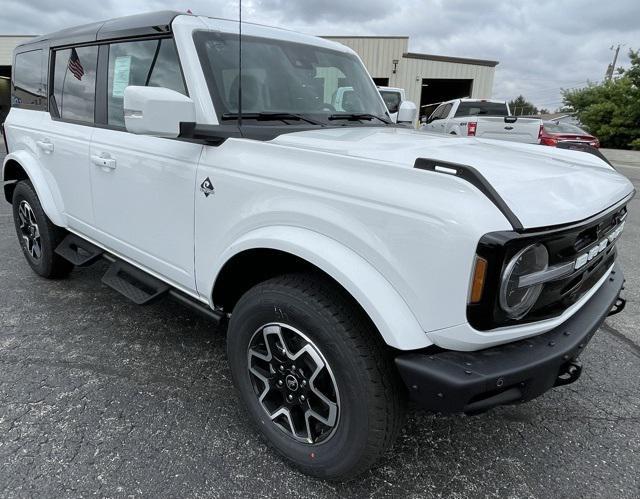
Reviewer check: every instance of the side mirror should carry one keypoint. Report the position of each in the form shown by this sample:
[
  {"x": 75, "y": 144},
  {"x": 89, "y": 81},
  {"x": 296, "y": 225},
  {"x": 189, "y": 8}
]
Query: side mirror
[
  {"x": 407, "y": 112},
  {"x": 156, "y": 111}
]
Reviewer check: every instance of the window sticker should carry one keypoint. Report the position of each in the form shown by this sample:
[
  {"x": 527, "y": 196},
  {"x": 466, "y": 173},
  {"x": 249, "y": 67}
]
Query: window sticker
[{"x": 121, "y": 72}]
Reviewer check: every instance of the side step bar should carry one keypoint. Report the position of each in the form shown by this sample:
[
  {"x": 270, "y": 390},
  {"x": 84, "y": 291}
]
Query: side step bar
[
  {"x": 78, "y": 251},
  {"x": 139, "y": 286}
]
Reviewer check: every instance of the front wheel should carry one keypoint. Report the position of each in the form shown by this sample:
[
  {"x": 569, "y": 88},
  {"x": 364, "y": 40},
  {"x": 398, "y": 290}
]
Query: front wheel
[
  {"x": 38, "y": 236},
  {"x": 314, "y": 375}
]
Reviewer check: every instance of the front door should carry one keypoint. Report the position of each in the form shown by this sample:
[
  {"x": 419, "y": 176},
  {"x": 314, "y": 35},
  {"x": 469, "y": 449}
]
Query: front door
[
  {"x": 143, "y": 200},
  {"x": 143, "y": 187}
]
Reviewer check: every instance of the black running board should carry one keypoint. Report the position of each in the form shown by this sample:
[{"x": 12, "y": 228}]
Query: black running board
[
  {"x": 140, "y": 287},
  {"x": 136, "y": 284},
  {"x": 78, "y": 251}
]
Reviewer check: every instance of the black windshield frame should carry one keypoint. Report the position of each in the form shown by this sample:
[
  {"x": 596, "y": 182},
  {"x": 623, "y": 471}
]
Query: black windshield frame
[{"x": 201, "y": 37}]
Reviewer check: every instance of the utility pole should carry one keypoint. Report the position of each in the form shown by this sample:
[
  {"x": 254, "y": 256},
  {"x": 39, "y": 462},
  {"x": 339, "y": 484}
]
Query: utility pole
[{"x": 612, "y": 66}]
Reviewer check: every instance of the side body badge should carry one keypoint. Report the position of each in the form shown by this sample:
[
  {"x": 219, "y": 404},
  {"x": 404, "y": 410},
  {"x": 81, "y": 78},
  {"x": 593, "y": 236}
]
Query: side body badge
[{"x": 207, "y": 188}]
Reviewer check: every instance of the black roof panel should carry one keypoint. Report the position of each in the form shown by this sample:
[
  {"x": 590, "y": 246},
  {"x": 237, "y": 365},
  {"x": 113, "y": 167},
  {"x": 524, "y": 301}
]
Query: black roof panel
[{"x": 151, "y": 23}]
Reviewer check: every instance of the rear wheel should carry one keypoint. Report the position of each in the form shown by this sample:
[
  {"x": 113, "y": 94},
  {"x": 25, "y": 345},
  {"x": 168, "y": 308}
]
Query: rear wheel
[
  {"x": 38, "y": 236},
  {"x": 314, "y": 375}
]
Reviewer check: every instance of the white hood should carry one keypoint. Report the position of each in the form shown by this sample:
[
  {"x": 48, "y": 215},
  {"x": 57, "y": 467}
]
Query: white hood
[{"x": 542, "y": 185}]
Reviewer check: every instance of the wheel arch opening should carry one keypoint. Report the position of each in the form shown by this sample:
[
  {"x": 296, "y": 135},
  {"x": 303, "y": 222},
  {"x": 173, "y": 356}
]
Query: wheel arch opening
[
  {"x": 13, "y": 171},
  {"x": 253, "y": 266}
]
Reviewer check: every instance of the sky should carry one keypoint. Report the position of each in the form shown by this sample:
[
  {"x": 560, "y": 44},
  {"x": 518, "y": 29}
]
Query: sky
[{"x": 543, "y": 45}]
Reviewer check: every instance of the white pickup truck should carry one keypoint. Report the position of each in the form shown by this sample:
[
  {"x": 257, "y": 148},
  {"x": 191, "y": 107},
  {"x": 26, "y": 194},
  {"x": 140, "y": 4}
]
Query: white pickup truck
[
  {"x": 355, "y": 263},
  {"x": 483, "y": 118},
  {"x": 393, "y": 98},
  {"x": 399, "y": 109}
]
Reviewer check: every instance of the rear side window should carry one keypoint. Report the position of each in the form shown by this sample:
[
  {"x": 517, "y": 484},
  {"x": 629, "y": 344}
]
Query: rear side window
[
  {"x": 28, "y": 81},
  {"x": 392, "y": 100},
  {"x": 74, "y": 83},
  {"x": 149, "y": 63}
]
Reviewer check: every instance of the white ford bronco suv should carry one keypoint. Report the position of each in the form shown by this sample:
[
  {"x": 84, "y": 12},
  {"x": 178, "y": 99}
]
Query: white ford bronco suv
[{"x": 357, "y": 264}]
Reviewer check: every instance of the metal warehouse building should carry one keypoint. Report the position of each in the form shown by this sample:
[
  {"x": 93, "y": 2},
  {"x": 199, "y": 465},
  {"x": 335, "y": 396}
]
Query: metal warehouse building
[{"x": 426, "y": 78}]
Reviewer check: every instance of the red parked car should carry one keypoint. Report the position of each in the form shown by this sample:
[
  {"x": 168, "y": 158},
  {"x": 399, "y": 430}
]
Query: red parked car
[{"x": 555, "y": 131}]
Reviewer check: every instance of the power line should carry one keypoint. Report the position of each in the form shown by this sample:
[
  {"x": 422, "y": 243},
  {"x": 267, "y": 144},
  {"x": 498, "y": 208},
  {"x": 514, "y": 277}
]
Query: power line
[{"x": 541, "y": 79}]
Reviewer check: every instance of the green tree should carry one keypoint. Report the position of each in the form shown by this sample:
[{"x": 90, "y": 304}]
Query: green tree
[
  {"x": 611, "y": 110},
  {"x": 521, "y": 106}
]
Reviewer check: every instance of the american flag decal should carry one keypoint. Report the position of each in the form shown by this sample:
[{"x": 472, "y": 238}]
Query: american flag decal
[{"x": 75, "y": 66}]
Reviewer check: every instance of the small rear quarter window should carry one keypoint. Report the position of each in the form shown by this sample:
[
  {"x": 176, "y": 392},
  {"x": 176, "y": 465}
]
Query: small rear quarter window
[{"x": 28, "y": 89}]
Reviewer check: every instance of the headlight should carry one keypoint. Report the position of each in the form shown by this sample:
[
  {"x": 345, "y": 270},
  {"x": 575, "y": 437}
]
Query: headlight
[{"x": 516, "y": 301}]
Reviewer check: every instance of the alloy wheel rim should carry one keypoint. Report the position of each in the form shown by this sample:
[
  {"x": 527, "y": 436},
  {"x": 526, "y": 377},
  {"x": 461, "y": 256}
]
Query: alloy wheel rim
[
  {"x": 294, "y": 383},
  {"x": 30, "y": 230}
]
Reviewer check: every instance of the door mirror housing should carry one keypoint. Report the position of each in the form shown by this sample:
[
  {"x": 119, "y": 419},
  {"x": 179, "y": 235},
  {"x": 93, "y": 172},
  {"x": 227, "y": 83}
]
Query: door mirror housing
[
  {"x": 407, "y": 112},
  {"x": 156, "y": 111}
]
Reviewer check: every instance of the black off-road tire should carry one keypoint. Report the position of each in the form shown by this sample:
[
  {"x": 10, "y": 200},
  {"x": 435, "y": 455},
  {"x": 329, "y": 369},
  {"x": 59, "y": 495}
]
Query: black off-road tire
[
  {"x": 47, "y": 264},
  {"x": 372, "y": 398}
]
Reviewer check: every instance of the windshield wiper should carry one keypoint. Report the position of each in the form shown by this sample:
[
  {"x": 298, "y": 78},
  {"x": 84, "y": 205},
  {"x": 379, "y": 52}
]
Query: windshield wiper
[
  {"x": 357, "y": 117},
  {"x": 272, "y": 115}
]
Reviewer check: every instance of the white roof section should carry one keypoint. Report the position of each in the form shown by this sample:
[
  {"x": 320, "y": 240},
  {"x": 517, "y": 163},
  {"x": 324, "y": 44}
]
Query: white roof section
[{"x": 260, "y": 30}]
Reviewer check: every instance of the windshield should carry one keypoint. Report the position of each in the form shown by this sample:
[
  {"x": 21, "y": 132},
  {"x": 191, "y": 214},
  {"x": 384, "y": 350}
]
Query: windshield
[
  {"x": 554, "y": 127},
  {"x": 479, "y": 108},
  {"x": 284, "y": 77}
]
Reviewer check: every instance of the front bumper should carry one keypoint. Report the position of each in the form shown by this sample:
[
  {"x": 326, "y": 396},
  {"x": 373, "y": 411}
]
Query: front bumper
[{"x": 472, "y": 382}]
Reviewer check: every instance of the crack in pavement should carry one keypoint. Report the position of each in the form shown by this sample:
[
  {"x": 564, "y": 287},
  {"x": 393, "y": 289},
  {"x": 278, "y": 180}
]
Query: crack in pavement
[{"x": 635, "y": 348}]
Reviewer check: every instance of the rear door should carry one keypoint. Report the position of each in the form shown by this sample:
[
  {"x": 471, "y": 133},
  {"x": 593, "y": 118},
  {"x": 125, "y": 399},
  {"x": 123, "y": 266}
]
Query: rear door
[
  {"x": 143, "y": 186},
  {"x": 67, "y": 130}
]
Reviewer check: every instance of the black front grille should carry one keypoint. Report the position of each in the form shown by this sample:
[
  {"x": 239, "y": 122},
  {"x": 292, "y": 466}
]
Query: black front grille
[{"x": 564, "y": 244}]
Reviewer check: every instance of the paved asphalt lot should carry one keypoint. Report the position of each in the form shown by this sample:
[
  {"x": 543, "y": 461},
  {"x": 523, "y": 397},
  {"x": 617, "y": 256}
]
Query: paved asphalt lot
[{"x": 100, "y": 397}]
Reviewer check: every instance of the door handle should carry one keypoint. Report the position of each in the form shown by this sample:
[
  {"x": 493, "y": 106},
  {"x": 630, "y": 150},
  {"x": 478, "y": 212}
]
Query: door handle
[
  {"x": 45, "y": 145},
  {"x": 103, "y": 161}
]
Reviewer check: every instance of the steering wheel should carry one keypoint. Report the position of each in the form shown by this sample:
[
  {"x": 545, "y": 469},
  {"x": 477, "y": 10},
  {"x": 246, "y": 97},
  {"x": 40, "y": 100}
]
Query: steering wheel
[
  {"x": 352, "y": 103},
  {"x": 327, "y": 107}
]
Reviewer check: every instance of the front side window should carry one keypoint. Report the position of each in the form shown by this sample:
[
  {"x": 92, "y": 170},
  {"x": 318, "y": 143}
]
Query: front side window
[
  {"x": 392, "y": 100},
  {"x": 150, "y": 63},
  {"x": 437, "y": 114},
  {"x": 285, "y": 77},
  {"x": 74, "y": 83},
  {"x": 28, "y": 85}
]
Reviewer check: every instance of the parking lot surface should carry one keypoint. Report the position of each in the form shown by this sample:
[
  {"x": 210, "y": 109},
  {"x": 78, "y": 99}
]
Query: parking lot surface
[{"x": 98, "y": 396}]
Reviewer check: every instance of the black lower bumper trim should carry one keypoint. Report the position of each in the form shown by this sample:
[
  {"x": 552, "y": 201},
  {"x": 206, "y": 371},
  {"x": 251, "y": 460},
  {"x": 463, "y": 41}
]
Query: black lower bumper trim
[{"x": 473, "y": 382}]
